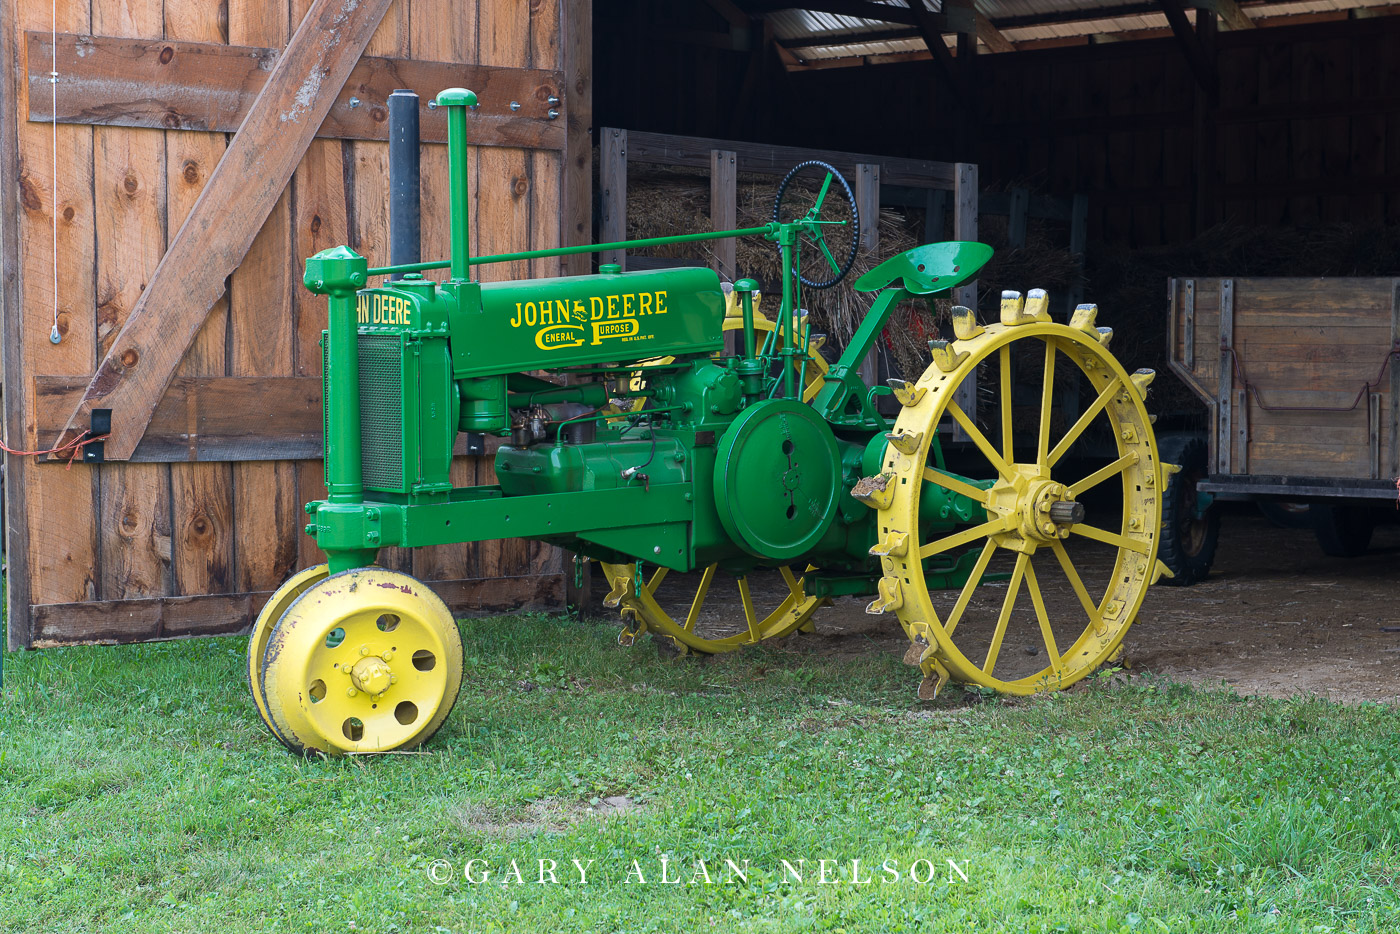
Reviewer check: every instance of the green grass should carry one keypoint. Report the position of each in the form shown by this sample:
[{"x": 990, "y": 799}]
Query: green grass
[{"x": 140, "y": 793}]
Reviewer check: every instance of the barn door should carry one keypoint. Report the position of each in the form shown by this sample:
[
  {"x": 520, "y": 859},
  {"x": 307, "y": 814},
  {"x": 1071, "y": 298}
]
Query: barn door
[{"x": 196, "y": 162}]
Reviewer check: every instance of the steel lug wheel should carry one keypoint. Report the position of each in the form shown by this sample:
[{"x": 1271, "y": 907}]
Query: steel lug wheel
[{"x": 369, "y": 660}]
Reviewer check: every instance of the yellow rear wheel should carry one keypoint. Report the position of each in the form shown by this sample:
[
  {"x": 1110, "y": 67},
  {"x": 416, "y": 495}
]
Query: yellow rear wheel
[
  {"x": 677, "y": 611},
  {"x": 992, "y": 638},
  {"x": 369, "y": 660},
  {"x": 680, "y": 614}
]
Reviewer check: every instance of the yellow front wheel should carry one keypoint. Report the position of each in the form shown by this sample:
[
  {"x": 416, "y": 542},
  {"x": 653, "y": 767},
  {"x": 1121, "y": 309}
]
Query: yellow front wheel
[
  {"x": 271, "y": 612},
  {"x": 368, "y": 660}
]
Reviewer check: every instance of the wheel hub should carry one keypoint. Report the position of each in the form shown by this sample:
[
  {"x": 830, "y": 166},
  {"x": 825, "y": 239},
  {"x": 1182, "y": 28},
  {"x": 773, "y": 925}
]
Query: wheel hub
[
  {"x": 1044, "y": 510},
  {"x": 372, "y": 675}
]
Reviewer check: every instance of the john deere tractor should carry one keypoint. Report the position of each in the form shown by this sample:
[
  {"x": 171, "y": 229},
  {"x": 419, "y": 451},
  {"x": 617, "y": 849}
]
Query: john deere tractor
[{"x": 636, "y": 440}]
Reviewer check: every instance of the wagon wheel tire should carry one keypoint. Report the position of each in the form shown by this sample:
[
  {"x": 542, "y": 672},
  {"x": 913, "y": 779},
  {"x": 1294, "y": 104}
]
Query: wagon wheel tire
[
  {"x": 1343, "y": 530},
  {"x": 1188, "y": 542}
]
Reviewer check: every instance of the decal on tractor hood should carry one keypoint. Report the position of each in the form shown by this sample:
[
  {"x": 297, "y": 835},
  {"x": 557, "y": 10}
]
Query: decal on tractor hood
[{"x": 560, "y": 323}]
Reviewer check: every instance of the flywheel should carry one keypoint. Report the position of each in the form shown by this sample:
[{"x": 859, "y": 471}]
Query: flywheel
[{"x": 1048, "y": 529}]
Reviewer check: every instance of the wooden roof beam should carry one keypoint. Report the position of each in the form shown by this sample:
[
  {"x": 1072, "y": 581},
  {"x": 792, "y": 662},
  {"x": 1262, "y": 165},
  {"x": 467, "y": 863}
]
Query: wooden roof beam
[
  {"x": 1200, "y": 59},
  {"x": 1230, "y": 12},
  {"x": 240, "y": 194},
  {"x": 992, "y": 37}
]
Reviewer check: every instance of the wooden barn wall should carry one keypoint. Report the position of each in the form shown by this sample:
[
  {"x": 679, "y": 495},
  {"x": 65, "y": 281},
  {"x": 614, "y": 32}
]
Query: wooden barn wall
[
  {"x": 1306, "y": 128},
  {"x": 125, "y": 551}
]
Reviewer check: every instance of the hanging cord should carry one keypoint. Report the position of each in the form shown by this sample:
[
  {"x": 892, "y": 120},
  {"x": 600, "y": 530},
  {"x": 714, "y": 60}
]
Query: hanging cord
[
  {"x": 54, "y": 335},
  {"x": 76, "y": 446}
]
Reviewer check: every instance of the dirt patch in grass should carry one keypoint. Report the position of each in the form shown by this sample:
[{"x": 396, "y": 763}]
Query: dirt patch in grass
[{"x": 546, "y": 815}]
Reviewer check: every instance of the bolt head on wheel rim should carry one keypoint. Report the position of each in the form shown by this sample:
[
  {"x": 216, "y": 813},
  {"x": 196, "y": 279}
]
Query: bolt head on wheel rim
[{"x": 369, "y": 660}]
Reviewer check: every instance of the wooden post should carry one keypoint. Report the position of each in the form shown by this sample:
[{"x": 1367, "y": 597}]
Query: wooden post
[
  {"x": 724, "y": 210},
  {"x": 868, "y": 203},
  {"x": 965, "y": 228},
  {"x": 576, "y": 222},
  {"x": 12, "y": 350},
  {"x": 613, "y": 177}
]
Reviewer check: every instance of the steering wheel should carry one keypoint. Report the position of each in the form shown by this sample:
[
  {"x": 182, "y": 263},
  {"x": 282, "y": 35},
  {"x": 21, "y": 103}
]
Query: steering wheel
[{"x": 813, "y": 236}]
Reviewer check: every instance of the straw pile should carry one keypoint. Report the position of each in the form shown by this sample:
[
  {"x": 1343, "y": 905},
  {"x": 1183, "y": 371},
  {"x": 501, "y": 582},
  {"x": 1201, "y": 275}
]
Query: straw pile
[{"x": 1129, "y": 286}]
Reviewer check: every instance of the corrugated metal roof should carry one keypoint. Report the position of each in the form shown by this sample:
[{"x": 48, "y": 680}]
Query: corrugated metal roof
[
  {"x": 809, "y": 34},
  {"x": 814, "y": 24}
]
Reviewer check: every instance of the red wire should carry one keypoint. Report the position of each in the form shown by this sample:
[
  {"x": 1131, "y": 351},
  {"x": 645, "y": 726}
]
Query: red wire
[{"x": 77, "y": 444}]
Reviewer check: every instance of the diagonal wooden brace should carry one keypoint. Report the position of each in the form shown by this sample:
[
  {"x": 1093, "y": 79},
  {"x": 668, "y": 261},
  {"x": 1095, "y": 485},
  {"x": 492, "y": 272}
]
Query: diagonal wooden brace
[{"x": 221, "y": 226}]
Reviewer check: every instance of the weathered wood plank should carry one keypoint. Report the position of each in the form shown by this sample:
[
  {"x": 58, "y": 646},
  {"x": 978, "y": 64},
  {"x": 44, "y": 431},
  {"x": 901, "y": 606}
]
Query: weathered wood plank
[
  {"x": 777, "y": 160},
  {"x": 120, "y": 621},
  {"x": 262, "y": 344},
  {"x": 576, "y": 216},
  {"x": 52, "y": 547},
  {"x": 444, "y": 30},
  {"x": 724, "y": 211},
  {"x": 201, "y": 495},
  {"x": 13, "y": 340},
  {"x": 205, "y": 418},
  {"x": 130, "y": 187},
  {"x": 183, "y": 85},
  {"x": 214, "y": 239},
  {"x": 612, "y": 179},
  {"x": 504, "y": 202}
]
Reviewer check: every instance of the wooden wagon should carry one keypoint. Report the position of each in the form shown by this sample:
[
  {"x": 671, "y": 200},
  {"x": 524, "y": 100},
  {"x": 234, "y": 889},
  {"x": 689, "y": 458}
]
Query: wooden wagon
[{"x": 1303, "y": 389}]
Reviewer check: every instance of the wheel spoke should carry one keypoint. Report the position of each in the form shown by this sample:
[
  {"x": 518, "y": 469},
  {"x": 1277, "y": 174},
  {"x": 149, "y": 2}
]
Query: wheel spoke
[
  {"x": 973, "y": 579},
  {"x": 794, "y": 586},
  {"x": 999, "y": 524},
  {"x": 934, "y": 475},
  {"x": 1077, "y": 585},
  {"x": 656, "y": 579},
  {"x": 820, "y": 242},
  {"x": 699, "y": 600},
  {"x": 1007, "y": 452},
  {"x": 1102, "y": 474},
  {"x": 821, "y": 197},
  {"x": 980, "y": 440},
  {"x": 1045, "y": 631},
  {"x": 1109, "y": 538},
  {"x": 749, "y": 615},
  {"x": 1007, "y": 605},
  {"x": 1047, "y": 401},
  {"x": 1084, "y": 420}
]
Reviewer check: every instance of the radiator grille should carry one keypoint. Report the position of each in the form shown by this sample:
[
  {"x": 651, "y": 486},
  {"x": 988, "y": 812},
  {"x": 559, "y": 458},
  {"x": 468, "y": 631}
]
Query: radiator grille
[{"x": 381, "y": 411}]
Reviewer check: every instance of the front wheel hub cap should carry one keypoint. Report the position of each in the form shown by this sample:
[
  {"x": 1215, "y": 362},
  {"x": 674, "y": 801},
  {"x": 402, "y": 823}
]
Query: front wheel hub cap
[{"x": 371, "y": 675}]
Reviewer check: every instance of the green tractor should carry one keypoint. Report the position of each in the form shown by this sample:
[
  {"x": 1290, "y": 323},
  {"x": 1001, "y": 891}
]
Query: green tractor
[{"x": 681, "y": 468}]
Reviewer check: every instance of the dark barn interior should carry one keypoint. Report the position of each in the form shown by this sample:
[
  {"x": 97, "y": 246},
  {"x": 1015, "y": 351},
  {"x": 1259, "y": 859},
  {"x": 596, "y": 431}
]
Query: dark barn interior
[{"x": 1170, "y": 120}]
